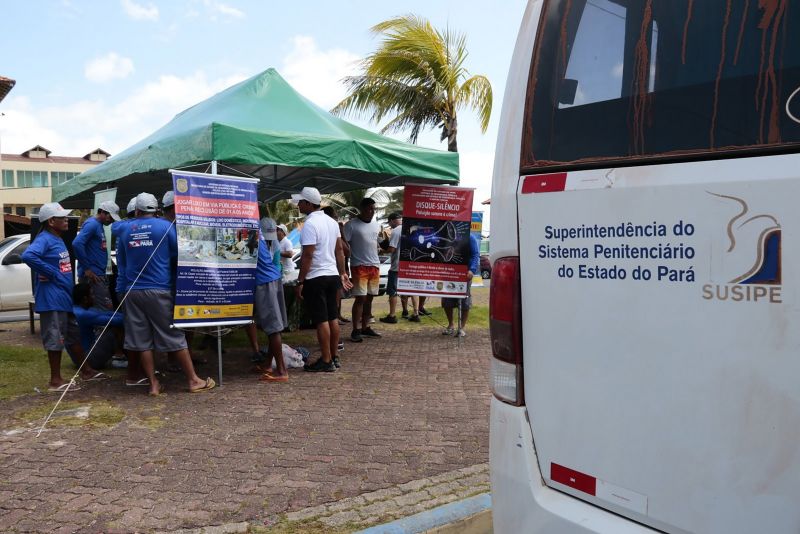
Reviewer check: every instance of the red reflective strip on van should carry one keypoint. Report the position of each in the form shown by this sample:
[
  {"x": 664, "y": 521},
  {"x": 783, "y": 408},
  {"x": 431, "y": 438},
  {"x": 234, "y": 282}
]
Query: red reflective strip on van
[
  {"x": 544, "y": 183},
  {"x": 573, "y": 479}
]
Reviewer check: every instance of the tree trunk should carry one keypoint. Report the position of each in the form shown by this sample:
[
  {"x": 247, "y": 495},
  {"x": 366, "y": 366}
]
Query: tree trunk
[{"x": 452, "y": 130}]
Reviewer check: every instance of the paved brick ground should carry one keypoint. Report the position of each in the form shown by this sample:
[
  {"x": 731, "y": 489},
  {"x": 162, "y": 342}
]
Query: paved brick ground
[{"x": 403, "y": 408}]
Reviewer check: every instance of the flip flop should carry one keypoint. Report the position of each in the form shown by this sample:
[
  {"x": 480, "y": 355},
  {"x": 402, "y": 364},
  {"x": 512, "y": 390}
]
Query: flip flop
[
  {"x": 141, "y": 382},
  {"x": 97, "y": 377},
  {"x": 209, "y": 385},
  {"x": 267, "y": 377},
  {"x": 63, "y": 387}
]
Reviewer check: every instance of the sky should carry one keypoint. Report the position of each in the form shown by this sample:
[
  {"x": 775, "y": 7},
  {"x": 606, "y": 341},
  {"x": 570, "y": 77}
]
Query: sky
[{"x": 108, "y": 73}]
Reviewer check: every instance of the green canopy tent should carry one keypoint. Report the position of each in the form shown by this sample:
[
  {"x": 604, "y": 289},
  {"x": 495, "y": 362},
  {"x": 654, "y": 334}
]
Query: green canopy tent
[{"x": 263, "y": 128}]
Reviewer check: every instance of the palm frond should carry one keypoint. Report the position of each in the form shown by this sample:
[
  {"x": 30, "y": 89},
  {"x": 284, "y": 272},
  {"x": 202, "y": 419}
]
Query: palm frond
[{"x": 476, "y": 93}]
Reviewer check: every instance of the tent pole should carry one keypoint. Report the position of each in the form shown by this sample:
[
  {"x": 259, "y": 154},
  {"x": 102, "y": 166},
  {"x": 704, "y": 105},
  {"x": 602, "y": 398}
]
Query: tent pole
[{"x": 213, "y": 166}]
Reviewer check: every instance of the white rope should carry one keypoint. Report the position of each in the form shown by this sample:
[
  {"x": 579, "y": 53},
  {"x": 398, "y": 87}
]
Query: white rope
[
  {"x": 86, "y": 357},
  {"x": 789, "y": 101}
]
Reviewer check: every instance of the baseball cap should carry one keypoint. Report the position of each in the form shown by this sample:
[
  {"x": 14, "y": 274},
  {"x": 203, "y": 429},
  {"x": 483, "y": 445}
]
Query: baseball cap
[
  {"x": 311, "y": 194},
  {"x": 131, "y": 207},
  {"x": 146, "y": 202},
  {"x": 394, "y": 216},
  {"x": 283, "y": 228},
  {"x": 268, "y": 229},
  {"x": 52, "y": 209},
  {"x": 111, "y": 208},
  {"x": 169, "y": 199}
]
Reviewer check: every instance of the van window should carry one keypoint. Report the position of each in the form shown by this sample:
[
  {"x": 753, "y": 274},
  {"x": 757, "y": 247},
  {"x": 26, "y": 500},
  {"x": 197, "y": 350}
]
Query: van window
[{"x": 618, "y": 80}]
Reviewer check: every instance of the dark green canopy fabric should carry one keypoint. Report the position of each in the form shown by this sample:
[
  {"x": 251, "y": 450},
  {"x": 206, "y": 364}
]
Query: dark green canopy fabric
[{"x": 262, "y": 127}]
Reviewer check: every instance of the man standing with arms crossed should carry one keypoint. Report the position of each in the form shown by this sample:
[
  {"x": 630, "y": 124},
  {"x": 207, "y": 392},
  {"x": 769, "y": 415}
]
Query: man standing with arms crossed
[
  {"x": 91, "y": 251},
  {"x": 48, "y": 258},
  {"x": 321, "y": 274},
  {"x": 362, "y": 234},
  {"x": 148, "y": 246}
]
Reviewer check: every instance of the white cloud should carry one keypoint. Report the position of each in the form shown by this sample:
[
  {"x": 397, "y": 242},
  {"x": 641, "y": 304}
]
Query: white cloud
[
  {"x": 112, "y": 66},
  {"x": 225, "y": 9},
  {"x": 139, "y": 11},
  {"x": 317, "y": 74},
  {"x": 76, "y": 128}
]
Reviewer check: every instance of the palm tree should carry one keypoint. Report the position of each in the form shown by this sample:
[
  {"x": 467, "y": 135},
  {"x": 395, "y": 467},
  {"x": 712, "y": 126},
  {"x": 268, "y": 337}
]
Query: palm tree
[
  {"x": 417, "y": 77},
  {"x": 347, "y": 202}
]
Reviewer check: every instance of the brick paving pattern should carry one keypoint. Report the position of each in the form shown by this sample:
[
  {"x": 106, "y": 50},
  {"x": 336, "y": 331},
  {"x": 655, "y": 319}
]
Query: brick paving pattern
[{"x": 408, "y": 407}]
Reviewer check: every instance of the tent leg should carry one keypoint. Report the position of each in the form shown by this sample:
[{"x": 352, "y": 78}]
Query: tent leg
[{"x": 219, "y": 353}]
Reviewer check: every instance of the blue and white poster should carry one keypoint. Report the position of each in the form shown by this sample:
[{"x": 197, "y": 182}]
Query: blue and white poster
[{"x": 216, "y": 218}]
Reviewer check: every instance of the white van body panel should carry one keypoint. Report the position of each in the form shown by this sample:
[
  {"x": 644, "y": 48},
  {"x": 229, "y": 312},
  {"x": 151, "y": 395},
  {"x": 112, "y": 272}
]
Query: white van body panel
[
  {"x": 657, "y": 355},
  {"x": 520, "y": 500}
]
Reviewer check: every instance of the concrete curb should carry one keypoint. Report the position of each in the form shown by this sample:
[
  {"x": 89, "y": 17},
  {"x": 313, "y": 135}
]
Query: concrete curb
[{"x": 470, "y": 515}]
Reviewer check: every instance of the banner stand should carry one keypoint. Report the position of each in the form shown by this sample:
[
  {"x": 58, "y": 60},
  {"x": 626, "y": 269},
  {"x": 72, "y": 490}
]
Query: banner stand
[{"x": 218, "y": 332}]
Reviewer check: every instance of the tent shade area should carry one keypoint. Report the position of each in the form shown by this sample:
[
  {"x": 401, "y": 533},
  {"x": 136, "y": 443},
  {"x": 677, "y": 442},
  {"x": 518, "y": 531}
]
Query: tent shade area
[{"x": 263, "y": 128}]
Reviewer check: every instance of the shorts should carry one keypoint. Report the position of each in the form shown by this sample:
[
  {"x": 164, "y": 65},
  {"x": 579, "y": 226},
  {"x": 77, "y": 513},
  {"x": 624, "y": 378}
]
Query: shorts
[
  {"x": 366, "y": 279},
  {"x": 100, "y": 292},
  {"x": 463, "y": 304},
  {"x": 391, "y": 284},
  {"x": 270, "y": 308},
  {"x": 319, "y": 296},
  {"x": 59, "y": 328},
  {"x": 148, "y": 316}
]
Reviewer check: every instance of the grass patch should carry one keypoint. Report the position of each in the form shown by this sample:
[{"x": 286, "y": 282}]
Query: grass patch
[
  {"x": 25, "y": 368},
  {"x": 101, "y": 415}
]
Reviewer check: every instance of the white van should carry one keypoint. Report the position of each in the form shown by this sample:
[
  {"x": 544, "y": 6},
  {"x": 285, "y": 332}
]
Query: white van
[{"x": 644, "y": 308}]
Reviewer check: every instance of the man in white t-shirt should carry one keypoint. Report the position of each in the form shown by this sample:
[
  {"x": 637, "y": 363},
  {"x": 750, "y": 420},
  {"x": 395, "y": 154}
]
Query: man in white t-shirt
[
  {"x": 363, "y": 235},
  {"x": 321, "y": 274},
  {"x": 286, "y": 251}
]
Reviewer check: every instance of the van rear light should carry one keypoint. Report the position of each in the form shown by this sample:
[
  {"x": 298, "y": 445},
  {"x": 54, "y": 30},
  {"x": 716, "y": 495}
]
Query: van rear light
[
  {"x": 503, "y": 379},
  {"x": 505, "y": 325}
]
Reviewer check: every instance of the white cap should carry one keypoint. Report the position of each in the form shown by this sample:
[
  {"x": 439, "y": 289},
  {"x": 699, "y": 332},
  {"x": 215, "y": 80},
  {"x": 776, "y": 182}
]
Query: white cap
[
  {"x": 131, "y": 207},
  {"x": 311, "y": 194},
  {"x": 146, "y": 202},
  {"x": 52, "y": 209},
  {"x": 169, "y": 199},
  {"x": 111, "y": 208},
  {"x": 283, "y": 227}
]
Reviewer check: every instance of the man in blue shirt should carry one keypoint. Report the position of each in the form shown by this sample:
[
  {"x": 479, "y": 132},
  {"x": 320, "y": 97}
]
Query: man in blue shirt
[
  {"x": 270, "y": 309},
  {"x": 466, "y": 303},
  {"x": 48, "y": 258},
  {"x": 148, "y": 247},
  {"x": 90, "y": 319},
  {"x": 92, "y": 253}
]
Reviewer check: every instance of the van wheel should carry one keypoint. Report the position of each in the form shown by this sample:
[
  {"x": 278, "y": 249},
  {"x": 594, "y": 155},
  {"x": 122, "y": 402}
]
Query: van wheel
[{"x": 486, "y": 274}]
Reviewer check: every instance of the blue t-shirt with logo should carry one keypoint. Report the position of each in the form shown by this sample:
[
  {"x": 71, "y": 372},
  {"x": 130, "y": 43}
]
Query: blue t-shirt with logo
[
  {"x": 140, "y": 240},
  {"x": 266, "y": 270},
  {"x": 90, "y": 248},
  {"x": 48, "y": 258},
  {"x": 122, "y": 279}
]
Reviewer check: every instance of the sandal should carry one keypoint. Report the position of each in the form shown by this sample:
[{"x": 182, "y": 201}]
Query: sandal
[
  {"x": 209, "y": 385},
  {"x": 267, "y": 377},
  {"x": 97, "y": 377},
  {"x": 141, "y": 382},
  {"x": 63, "y": 387},
  {"x": 448, "y": 331}
]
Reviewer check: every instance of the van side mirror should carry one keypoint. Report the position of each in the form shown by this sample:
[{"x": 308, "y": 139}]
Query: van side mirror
[
  {"x": 567, "y": 91},
  {"x": 12, "y": 259}
]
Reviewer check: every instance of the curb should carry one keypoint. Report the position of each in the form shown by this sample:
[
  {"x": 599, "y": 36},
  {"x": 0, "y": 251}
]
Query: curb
[{"x": 472, "y": 515}]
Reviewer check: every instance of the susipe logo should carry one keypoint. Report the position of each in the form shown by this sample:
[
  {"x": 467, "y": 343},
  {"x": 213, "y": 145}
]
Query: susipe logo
[{"x": 752, "y": 261}]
